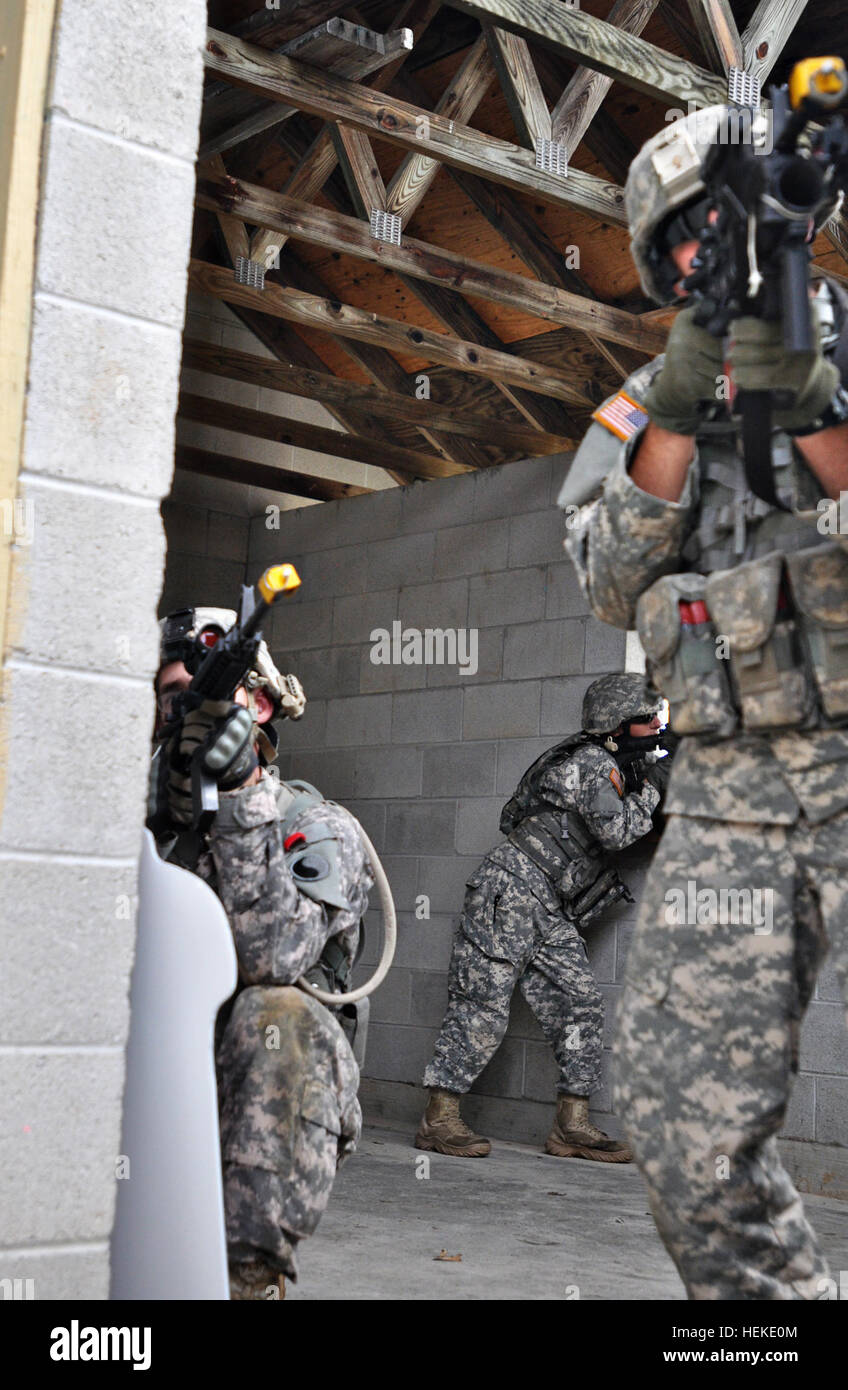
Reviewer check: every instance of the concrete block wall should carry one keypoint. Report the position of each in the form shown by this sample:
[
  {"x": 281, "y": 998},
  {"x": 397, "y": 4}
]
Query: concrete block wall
[
  {"x": 426, "y": 757},
  {"x": 113, "y": 242}
]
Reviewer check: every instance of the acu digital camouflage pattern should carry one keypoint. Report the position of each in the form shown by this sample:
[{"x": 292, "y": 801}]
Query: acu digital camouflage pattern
[
  {"x": 707, "y": 1020},
  {"x": 515, "y": 930},
  {"x": 287, "y": 1079}
]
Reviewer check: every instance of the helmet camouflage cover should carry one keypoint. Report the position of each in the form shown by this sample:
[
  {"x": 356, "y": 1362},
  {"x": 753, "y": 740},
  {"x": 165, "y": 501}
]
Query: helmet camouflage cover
[
  {"x": 613, "y": 700},
  {"x": 666, "y": 174},
  {"x": 188, "y": 634}
]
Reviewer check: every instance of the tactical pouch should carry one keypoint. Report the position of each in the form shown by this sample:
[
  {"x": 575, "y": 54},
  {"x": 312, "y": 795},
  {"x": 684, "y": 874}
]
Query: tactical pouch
[
  {"x": 682, "y": 660},
  {"x": 770, "y": 679},
  {"x": 819, "y": 580},
  {"x": 606, "y": 890}
]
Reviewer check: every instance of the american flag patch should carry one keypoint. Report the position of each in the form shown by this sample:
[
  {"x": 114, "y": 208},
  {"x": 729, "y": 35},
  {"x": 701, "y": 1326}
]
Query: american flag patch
[{"x": 622, "y": 415}]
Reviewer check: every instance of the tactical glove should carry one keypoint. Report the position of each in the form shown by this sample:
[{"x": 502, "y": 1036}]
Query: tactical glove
[
  {"x": 694, "y": 361},
  {"x": 760, "y": 362},
  {"x": 658, "y": 775},
  {"x": 224, "y": 732}
]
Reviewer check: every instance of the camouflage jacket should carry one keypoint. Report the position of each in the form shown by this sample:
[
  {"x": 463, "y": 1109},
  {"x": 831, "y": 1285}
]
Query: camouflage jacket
[
  {"x": 589, "y": 783},
  {"x": 280, "y": 931},
  {"x": 623, "y": 540}
]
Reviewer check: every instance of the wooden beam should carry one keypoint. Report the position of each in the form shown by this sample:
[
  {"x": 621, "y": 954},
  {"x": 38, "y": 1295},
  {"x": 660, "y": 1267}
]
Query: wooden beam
[
  {"x": 348, "y": 49},
  {"x": 422, "y": 261},
  {"x": 388, "y": 118},
  {"x": 331, "y": 316},
  {"x": 466, "y": 90},
  {"x": 599, "y": 45},
  {"x": 573, "y": 113},
  {"x": 233, "y": 229},
  {"x": 316, "y": 439},
  {"x": 718, "y": 33},
  {"x": 362, "y": 175},
  {"x": 765, "y": 37},
  {"x": 367, "y": 401},
  {"x": 520, "y": 85},
  {"x": 264, "y": 475}
]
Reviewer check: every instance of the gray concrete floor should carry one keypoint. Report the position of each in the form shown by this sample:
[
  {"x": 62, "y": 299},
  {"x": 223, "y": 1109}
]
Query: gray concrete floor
[{"x": 528, "y": 1226}]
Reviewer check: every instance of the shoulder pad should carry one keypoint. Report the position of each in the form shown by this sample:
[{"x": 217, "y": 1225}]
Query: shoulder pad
[
  {"x": 600, "y": 447},
  {"x": 295, "y": 797},
  {"x": 313, "y": 856}
]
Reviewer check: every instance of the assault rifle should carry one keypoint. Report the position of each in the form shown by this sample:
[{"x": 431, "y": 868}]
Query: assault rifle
[
  {"x": 220, "y": 673},
  {"x": 755, "y": 259}
]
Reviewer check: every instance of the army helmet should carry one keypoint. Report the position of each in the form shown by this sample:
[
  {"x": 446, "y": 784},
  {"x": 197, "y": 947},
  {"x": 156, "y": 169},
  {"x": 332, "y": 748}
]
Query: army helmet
[
  {"x": 665, "y": 176},
  {"x": 189, "y": 633},
  {"x": 618, "y": 699}
]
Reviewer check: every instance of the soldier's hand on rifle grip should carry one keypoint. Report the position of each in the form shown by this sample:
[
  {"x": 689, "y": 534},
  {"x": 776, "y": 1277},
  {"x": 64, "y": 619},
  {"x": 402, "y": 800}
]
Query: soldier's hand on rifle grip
[
  {"x": 759, "y": 361},
  {"x": 694, "y": 362},
  {"x": 221, "y": 733}
]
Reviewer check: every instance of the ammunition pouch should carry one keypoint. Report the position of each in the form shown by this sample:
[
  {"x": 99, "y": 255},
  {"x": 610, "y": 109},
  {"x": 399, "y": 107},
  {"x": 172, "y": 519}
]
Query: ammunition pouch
[
  {"x": 773, "y": 654},
  {"x": 573, "y": 860}
]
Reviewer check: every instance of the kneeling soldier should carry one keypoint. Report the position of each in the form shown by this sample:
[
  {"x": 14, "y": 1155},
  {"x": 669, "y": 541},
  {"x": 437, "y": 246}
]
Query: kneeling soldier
[{"x": 525, "y": 907}]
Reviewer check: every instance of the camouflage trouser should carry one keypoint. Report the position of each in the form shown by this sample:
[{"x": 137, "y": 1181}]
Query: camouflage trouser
[
  {"x": 708, "y": 1043},
  {"x": 287, "y": 1084},
  {"x": 555, "y": 978}
]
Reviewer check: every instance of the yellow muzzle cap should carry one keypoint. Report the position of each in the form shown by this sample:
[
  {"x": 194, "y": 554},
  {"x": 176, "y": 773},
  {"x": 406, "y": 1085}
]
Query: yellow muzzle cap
[{"x": 279, "y": 579}]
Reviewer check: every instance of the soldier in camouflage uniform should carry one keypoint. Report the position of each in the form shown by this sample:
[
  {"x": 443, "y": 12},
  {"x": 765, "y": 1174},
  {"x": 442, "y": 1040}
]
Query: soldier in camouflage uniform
[
  {"x": 743, "y": 612},
  {"x": 524, "y": 910},
  {"x": 291, "y": 872}
]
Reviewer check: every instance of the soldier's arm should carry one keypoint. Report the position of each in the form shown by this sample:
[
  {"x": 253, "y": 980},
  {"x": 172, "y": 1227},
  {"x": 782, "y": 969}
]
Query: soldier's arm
[
  {"x": 617, "y": 820},
  {"x": 279, "y": 932},
  {"x": 826, "y": 452}
]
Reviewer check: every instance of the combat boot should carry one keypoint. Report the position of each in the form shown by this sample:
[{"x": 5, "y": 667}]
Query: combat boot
[
  {"x": 255, "y": 1279},
  {"x": 574, "y": 1135},
  {"x": 444, "y": 1131}
]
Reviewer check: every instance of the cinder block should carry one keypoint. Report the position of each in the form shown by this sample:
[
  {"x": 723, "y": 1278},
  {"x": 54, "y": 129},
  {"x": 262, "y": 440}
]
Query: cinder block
[
  {"x": 187, "y": 529},
  {"x": 390, "y": 1002},
  {"x": 426, "y": 716},
  {"x": 425, "y": 945},
  {"x": 296, "y": 625},
  {"x": 356, "y": 616},
  {"x": 358, "y": 719},
  {"x": 489, "y": 642},
  {"x": 604, "y": 646},
  {"x": 220, "y": 389},
  {"x": 329, "y": 574},
  {"x": 541, "y": 1073},
  {"x": 436, "y": 504},
  {"x": 330, "y": 770},
  {"x": 440, "y": 605},
  {"x": 623, "y": 940},
  {"x": 543, "y": 649},
  {"x": 308, "y": 732},
  {"x": 523, "y": 1023},
  {"x": 358, "y": 519},
  {"x": 429, "y": 998},
  {"x": 402, "y": 873},
  {"x": 502, "y": 711},
  {"x": 564, "y": 597},
  {"x": 443, "y": 880},
  {"x": 153, "y": 61},
  {"x": 562, "y": 705},
  {"x": 560, "y": 464},
  {"x": 824, "y": 1040},
  {"x": 50, "y": 1144},
  {"x": 83, "y": 916},
  {"x": 402, "y": 560},
  {"x": 420, "y": 827},
  {"x": 477, "y": 824},
  {"x": 536, "y": 539},
  {"x": 800, "y": 1122},
  {"x": 372, "y": 817},
  {"x": 515, "y": 596},
  {"x": 94, "y": 799},
  {"x": 377, "y": 677},
  {"x": 480, "y": 548},
  {"x": 512, "y": 488},
  {"x": 612, "y": 998},
  {"x": 459, "y": 770},
  {"x": 228, "y": 537},
  {"x": 832, "y": 1109},
  {"x": 60, "y": 1274},
  {"x": 387, "y": 772},
  {"x": 112, "y": 423},
  {"x": 398, "y": 1053},
  {"x": 827, "y": 985},
  {"x": 124, "y": 254},
  {"x": 504, "y": 1075},
  {"x": 600, "y": 948},
  {"x": 326, "y": 672},
  {"x": 515, "y": 755},
  {"x": 84, "y": 620}
]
